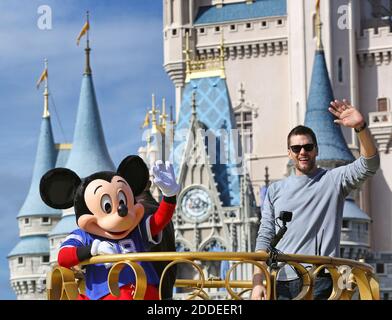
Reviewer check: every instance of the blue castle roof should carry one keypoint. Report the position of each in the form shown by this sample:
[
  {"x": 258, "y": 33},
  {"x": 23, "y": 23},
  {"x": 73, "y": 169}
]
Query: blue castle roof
[
  {"x": 89, "y": 153},
  {"x": 62, "y": 157},
  {"x": 31, "y": 245},
  {"x": 66, "y": 225},
  {"x": 331, "y": 143},
  {"x": 241, "y": 11},
  {"x": 353, "y": 212},
  {"x": 45, "y": 160},
  {"x": 214, "y": 111}
]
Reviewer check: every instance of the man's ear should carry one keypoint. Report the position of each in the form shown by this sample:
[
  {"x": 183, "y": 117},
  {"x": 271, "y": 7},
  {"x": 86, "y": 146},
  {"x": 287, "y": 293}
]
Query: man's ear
[
  {"x": 135, "y": 172},
  {"x": 58, "y": 187},
  {"x": 289, "y": 154}
]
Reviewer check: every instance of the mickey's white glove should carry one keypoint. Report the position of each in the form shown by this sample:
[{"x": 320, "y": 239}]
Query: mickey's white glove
[
  {"x": 165, "y": 179},
  {"x": 99, "y": 247},
  {"x": 102, "y": 247}
]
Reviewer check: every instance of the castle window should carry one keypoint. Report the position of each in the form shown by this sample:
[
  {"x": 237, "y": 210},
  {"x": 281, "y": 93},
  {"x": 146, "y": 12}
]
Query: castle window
[
  {"x": 248, "y": 25},
  {"x": 232, "y": 27},
  {"x": 340, "y": 70},
  {"x": 45, "y": 259},
  {"x": 202, "y": 31},
  {"x": 382, "y": 105},
  {"x": 345, "y": 224},
  {"x": 45, "y": 221},
  {"x": 217, "y": 28},
  {"x": 380, "y": 268},
  {"x": 245, "y": 126},
  {"x": 20, "y": 260},
  {"x": 174, "y": 32},
  {"x": 385, "y": 296},
  {"x": 280, "y": 22},
  {"x": 264, "y": 24},
  {"x": 26, "y": 221}
]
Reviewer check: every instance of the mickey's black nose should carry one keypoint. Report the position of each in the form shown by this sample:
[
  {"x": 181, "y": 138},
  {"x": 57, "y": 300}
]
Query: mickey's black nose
[{"x": 122, "y": 210}]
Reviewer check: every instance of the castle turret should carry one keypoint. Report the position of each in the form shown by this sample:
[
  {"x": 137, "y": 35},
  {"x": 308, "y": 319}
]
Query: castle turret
[
  {"x": 334, "y": 152},
  {"x": 89, "y": 152},
  {"x": 29, "y": 259}
]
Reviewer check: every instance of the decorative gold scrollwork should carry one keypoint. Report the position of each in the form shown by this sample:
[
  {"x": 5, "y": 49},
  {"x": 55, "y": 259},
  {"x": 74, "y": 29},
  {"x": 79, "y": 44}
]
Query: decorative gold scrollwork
[
  {"x": 62, "y": 284},
  {"x": 140, "y": 276},
  {"x": 198, "y": 291},
  {"x": 367, "y": 286},
  {"x": 236, "y": 296},
  {"x": 335, "y": 275},
  {"x": 305, "y": 293}
]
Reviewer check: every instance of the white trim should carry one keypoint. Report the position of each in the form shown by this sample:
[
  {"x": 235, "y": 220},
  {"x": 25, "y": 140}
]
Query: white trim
[
  {"x": 149, "y": 235},
  {"x": 74, "y": 236},
  {"x": 67, "y": 246}
]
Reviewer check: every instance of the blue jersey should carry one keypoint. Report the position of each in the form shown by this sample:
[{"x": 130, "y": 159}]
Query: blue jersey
[{"x": 139, "y": 240}]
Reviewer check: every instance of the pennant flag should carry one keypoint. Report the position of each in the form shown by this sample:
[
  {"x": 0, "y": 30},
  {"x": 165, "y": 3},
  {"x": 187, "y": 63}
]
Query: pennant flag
[
  {"x": 146, "y": 122},
  {"x": 82, "y": 32},
  {"x": 43, "y": 76}
]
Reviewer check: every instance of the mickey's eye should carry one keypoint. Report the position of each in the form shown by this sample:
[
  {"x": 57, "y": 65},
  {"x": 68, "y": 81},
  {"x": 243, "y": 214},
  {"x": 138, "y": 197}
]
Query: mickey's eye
[
  {"x": 106, "y": 203},
  {"x": 122, "y": 199}
]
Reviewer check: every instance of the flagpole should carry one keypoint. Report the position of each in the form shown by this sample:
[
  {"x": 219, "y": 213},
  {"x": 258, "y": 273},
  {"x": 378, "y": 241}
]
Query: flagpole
[
  {"x": 88, "y": 68},
  {"x": 87, "y": 32},
  {"x": 46, "y": 92}
]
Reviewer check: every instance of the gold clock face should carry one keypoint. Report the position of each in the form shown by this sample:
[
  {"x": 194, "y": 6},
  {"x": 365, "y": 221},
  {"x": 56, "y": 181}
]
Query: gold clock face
[{"x": 196, "y": 204}]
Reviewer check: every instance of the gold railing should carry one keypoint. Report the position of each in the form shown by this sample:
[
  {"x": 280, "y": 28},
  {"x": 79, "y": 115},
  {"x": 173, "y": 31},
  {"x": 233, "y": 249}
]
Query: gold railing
[{"x": 348, "y": 276}]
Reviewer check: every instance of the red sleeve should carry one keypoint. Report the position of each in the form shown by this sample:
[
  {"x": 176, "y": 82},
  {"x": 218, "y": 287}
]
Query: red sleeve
[
  {"x": 161, "y": 217},
  {"x": 67, "y": 257}
]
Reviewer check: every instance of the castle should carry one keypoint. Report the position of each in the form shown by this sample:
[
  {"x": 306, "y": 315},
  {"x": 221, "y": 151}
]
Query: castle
[{"x": 252, "y": 69}]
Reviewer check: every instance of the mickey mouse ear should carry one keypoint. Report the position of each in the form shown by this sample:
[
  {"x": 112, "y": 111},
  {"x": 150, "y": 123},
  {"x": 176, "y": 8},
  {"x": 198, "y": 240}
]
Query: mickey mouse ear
[
  {"x": 134, "y": 170},
  {"x": 58, "y": 186}
]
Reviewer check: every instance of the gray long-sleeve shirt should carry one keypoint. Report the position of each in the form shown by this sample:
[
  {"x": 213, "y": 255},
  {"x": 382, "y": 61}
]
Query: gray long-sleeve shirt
[{"x": 317, "y": 205}]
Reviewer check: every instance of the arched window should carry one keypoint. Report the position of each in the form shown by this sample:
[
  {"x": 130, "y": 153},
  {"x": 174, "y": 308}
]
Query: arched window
[
  {"x": 244, "y": 122},
  {"x": 340, "y": 70}
]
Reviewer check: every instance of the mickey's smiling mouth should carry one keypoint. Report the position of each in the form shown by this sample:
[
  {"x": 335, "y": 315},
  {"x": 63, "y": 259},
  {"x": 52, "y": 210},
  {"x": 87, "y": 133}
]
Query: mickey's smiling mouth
[{"x": 117, "y": 233}]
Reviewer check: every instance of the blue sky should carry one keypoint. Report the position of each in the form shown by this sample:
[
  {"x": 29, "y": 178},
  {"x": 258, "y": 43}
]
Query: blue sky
[{"x": 126, "y": 60}]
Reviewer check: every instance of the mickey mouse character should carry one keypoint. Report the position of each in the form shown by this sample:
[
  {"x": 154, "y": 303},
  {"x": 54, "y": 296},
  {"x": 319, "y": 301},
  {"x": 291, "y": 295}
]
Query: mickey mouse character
[{"x": 110, "y": 220}]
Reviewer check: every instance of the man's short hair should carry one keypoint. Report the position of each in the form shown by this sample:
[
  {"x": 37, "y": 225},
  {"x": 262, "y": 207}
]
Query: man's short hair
[{"x": 301, "y": 130}]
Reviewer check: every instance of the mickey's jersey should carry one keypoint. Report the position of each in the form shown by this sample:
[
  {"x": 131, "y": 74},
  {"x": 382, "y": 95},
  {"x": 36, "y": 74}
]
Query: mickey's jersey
[{"x": 139, "y": 240}]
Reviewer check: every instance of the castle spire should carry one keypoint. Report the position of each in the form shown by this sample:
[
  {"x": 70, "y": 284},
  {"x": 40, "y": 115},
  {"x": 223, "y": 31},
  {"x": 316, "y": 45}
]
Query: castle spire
[
  {"x": 319, "y": 25},
  {"x": 85, "y": 31},
  {"x": 194, "y": 113},
  {"x": 89, "y": 153},
  {"x": 46, "y": 93},
  {"x": 44, "y": 77},
  {"x": 187, "y": 52},
  {"x": 333, "y": 149},
  {"x": 153, "y": 111},
  {"x": 163, "y": 115},
  {"x": 87, "y": 49},
  {"x": 222, "y": 54}
]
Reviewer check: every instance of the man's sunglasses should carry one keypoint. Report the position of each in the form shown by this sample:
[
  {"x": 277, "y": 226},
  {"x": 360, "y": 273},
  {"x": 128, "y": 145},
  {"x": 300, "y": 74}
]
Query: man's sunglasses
[{"x": 297, "y": 148}]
